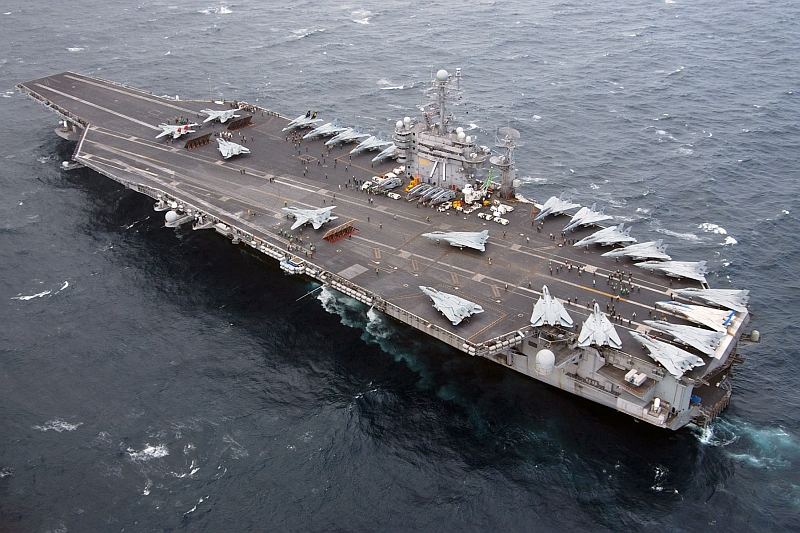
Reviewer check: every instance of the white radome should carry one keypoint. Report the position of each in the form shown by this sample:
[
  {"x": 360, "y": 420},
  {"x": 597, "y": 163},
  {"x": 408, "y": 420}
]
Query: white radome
[{"x": 545, "y": 362}]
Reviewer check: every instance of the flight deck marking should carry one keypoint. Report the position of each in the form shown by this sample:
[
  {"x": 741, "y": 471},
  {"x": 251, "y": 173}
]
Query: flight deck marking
[
  {"x": 496, "y": 291},
  {"x": 377, "y": 253},
  {"x": 126, "y": 93},
  {"x": 414, "y": 265},
  {"x": 478, "y": 277},
  {"x": 101, "y": 108},
  {"x": 454, "y": 277}
]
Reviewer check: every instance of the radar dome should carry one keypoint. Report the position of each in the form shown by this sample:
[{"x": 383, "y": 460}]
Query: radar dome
[
  {"x": 399, "y": 124},
  {"x": 171, "y": 216},
  {"x": 469, "y": 139},
  {"x": 461, "y": 136},
  {"x": 407, "y": 121},
  {"x": 459, "y": 130},
  {"x": 442, "y": 75},
  {"x": 545, "y": 362}
]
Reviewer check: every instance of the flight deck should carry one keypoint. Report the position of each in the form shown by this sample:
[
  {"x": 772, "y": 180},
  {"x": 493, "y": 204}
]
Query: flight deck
[{"x": 383, "y": 260}]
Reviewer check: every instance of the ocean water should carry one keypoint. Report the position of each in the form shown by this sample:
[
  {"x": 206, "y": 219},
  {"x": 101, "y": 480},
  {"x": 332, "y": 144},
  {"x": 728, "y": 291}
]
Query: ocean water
[{"x": 154, "y": 379}]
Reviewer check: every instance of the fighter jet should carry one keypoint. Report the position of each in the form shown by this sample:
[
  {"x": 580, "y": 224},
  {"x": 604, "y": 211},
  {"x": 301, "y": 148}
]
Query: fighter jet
[
  {"x": 675, "y": 360},
  {"x": 309, "y": 120},
  {"x": 598, "y": 330},
  {"x": 679, "y": 269},
  {"x": 700, "y": 339},
  {"x": 229, "y": 149},
  {"x": 730, "y": 298},
  {"x": 222, "y": 116},
  {"x": 373, "y": 142},
  {"x": 556, "y": 206},
  {"x": 175, "y": 131},
  {"x": 608, "y": 236},
  {"x": 326, "y": 130},
  {"x": 470, "y": 239},
  {"x": 645, "y": 250},
  {"x": 587, "y": 216},
  {"x": 317, "y": 217},
  {"x": 453, "y": 307},
  {"x": 348, "y": 136},
  {"x": 713, "y": 318},
  {"x": 390, "y": 152},
  {"x": 549, "y": 310}
]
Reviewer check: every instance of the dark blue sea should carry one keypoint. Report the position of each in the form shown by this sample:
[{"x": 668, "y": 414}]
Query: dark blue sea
[{"x": 157, "y": 379}]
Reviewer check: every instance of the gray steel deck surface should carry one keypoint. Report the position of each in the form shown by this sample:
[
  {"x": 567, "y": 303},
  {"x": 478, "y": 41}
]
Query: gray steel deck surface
[{"x": 123, "y": 123}]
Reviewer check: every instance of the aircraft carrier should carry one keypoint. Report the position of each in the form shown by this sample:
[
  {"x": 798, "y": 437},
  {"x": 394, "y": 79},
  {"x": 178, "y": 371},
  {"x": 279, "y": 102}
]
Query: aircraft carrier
[{"x": 652, "y": 341}]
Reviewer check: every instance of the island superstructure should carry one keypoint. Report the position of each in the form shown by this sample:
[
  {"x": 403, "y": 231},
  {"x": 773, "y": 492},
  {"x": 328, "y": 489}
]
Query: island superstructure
[{"x": 465, "y": 260}]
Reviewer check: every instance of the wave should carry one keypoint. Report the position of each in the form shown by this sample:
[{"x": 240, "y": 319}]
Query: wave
[
  {"x": 75, "y": 49},
  {"x": 219, "y": 10},
  {"x": 149, "y": 452},
  {"x": 760, "y": 447},
  {"x": 376, "y": 330},
  {"x": 32, "y": 296},
  {"x": 58, "y": 425},
  {"x": 684, "y": 236},
  {"x": 304, "y": 32},
  {"x": 713, "y": 228}
]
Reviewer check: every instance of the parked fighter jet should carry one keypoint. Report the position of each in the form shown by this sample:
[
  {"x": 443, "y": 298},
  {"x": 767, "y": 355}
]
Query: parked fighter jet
[
  {"x": 675, "y": 360},
  {"x": 470, "y": 239},
  {"x": 317, "y": 217},
  {"x": 587, "y": 216},
  {"x": 326, "y": 130},
  {"x": 645, "y": 250},
  {"x": 349, "y": 135},
  {"x": 598, "y": 330},
  {"x": 713, "y": 318},
  {"x": 730, "y": 298},
  {"x": 309, "y": 120},
  {"x": 222, "y": 116},
  {"x": 556, "y": 206},
  {"x": 700, "y": 339},
  {"x": 374, "y": 142},
  {"x": 548, "y": 310},
  {"x": 607, "y": 236},
  {"x": 229, "y": 149},
  {"x": 389, "y": 152},
  {"x": 453, "y": 307},
  {"x": 175, "y": 131},
  {"x": 679, "y": 269}
]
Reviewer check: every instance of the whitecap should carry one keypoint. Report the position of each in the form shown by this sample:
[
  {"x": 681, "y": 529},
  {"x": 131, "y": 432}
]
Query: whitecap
[
  {"x": 684, "y": 236},
  {"x": 32, "y": 296},
  {"x": 729, "y": 241},
  {"x": 594, "y": 186},
  {"x": 8, "y": 94},
  {"x": 714, "y": 228},
  {"x": 58, "y": 425},
  {"x": 75, "y": 49},
  {"x": 536, "y": 118},
  {"x": 149, "y": 452}
]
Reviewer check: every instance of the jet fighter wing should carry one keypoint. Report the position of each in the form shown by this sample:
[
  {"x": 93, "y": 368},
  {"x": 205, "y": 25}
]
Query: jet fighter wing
[
  {"x": 453, "y": 307},
  {"x": 674, "y": 359},
  {"x": 548, "y": 310},
  {"x": 598, "y": 330},
  {"x": 317, "y": 217},
  {"x": 469, "y": 239}
]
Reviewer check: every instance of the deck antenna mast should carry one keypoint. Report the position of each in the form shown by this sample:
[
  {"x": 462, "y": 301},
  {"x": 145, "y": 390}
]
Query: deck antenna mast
[{"x": 505, "y": 161}]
